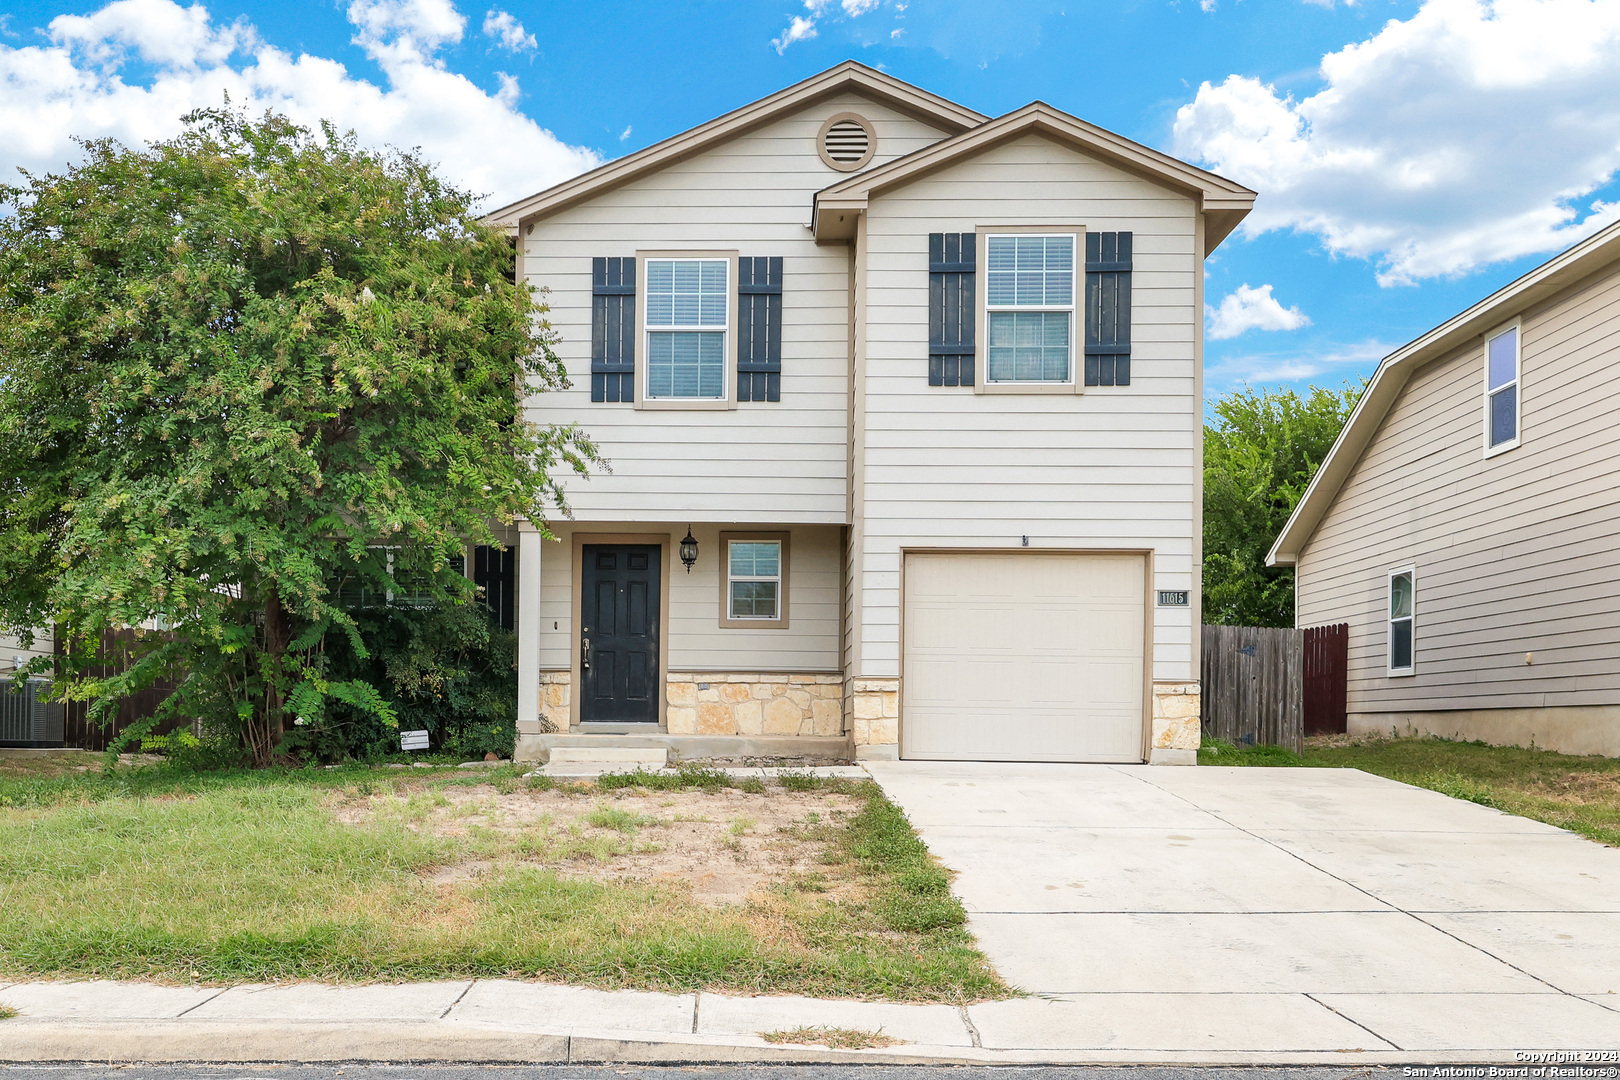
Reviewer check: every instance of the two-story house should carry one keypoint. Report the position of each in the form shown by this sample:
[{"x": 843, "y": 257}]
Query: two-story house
[{"x": 903, "y": 410}]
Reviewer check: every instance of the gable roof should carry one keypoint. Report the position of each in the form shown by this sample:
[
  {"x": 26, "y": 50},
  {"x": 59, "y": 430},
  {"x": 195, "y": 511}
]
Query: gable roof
[
  {"x": 1551, "y": 277},
  {"x": 849, "y": 75},
  {"x": 1223, "y": 202}
]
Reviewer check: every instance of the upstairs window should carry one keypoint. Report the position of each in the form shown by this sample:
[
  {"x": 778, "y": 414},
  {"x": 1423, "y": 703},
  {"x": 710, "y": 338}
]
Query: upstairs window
[
  {"x": 686, "y": 328},
  {"x": 1402, "y": 639},
  {"x": 1502, "y": 391},
  {"x": 1029, "y": 304}
]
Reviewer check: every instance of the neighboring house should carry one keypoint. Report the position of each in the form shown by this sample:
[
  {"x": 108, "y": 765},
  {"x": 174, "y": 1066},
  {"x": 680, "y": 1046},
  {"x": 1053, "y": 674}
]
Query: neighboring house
[
  {"x": 924, "y": 389},
  {"x": 14, "y": 656},
  {"x": 1465, "y": 522}
]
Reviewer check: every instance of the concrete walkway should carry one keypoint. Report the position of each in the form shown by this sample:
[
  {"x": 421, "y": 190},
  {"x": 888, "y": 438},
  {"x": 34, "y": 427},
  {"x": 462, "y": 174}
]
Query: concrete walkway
[
  {"x": 1158, "y": 914},
  {"x": 1272, "y": 910}
]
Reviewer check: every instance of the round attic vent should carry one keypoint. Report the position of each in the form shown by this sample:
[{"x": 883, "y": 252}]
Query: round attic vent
[{"x": 846, "y": 142}]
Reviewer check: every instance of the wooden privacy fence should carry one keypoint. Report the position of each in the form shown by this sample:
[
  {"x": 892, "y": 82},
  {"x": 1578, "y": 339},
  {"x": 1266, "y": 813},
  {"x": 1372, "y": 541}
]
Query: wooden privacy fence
[
  {"x": 116, "y": 654},
  {"x": 1326, "y": 673},
  {"x": 1252, "y": 685}
]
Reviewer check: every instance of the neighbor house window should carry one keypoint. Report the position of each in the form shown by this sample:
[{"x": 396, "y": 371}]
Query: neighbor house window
[
  {"x": 686, "y": 328},
  {"x": 755, "y": 579},
  {"x": 1502, "y": 390},
  {"x": 1401, "y": 639},
  {"x": 1029, "y": 304}
]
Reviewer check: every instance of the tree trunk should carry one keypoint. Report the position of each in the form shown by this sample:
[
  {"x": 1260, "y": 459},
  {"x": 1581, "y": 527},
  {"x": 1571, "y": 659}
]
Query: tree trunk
[{"x": 275, "y": 647}]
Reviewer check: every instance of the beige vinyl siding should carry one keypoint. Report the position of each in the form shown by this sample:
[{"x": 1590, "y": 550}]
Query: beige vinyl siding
[
  {"x": 761, "y": 462},
  {"x": 10, "y": 649},
  {"x": 1112, "y": 468},
  {"x": 697, "y": 641},
  {"x": 1515, "y": 554}
]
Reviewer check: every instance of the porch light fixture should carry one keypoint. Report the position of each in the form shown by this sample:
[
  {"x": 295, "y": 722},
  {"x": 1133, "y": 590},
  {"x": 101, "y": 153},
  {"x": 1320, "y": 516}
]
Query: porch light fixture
[{"x": 688, "y": 550}]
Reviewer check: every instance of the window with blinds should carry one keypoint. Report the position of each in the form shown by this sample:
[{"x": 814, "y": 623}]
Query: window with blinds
[
  {"x": 686, "y": 328},
  {"x": 1029, "y": 305}
]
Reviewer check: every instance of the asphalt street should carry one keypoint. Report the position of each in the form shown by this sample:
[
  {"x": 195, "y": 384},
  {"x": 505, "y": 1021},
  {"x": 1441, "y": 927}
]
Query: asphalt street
[{"x": 696, "y": 1072}]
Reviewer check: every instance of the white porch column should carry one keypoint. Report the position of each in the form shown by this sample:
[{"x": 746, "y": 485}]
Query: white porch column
[{"x": 528, "y": 629}]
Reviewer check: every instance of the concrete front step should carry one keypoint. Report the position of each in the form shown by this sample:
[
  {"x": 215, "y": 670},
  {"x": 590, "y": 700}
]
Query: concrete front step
[
  {"x": 806, "y": 749},
  {"x": 595, "y": 759},
  {"x": 652, "y": 757}
]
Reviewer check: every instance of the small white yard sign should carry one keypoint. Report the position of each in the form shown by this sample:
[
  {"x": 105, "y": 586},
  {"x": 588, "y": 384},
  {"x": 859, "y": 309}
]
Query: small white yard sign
[{"x": 413, "y": 740}]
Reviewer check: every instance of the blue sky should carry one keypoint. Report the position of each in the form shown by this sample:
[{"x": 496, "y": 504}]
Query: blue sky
[{"x": 1411, "y": 156}]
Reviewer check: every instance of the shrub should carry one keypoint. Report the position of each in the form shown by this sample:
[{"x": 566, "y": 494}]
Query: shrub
[{"x": 448, "y": 669}]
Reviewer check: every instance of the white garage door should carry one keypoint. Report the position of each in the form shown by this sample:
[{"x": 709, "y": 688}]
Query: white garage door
[{"x": 1023, "y": 657}]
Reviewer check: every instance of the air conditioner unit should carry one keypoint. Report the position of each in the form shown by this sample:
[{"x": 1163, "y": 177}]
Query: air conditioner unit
[{"x": 29, "y": 718}]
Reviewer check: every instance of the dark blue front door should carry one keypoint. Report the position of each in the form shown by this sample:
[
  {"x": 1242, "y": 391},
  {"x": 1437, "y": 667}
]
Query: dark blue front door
[{"x": 619, "y": 634}]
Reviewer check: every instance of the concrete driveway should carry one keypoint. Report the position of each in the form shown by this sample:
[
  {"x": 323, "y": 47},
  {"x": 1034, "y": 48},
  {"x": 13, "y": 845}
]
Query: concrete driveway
[{"x": 1277, "y": 909}]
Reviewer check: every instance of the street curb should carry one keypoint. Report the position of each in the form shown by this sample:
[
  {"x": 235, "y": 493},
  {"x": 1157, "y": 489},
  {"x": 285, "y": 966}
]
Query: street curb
[{"x": 211, "y": 1042}]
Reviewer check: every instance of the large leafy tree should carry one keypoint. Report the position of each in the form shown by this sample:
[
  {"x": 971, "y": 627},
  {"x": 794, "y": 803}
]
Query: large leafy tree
[
  {"x": 1259, "y": 456},
  {"x": 240, "y": 368}
]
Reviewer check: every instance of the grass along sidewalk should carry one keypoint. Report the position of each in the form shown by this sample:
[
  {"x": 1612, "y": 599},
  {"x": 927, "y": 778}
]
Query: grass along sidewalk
[
  {"x": 1581, "y": 794},
  {"x": 368, "y": 874}
]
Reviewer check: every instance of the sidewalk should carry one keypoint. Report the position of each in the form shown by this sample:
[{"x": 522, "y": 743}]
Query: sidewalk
[{"x": 504, "y": 1021}]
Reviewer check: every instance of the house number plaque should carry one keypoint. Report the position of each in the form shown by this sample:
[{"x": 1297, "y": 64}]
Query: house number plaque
[{"x": 1172, "y": 597}]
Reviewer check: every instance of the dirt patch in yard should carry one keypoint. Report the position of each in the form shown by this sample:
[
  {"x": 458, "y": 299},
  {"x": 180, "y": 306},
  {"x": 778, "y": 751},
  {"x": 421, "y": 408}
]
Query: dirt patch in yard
[
  {"x": 722, "y": 845},
  {"x": 1579, "y": 788}
]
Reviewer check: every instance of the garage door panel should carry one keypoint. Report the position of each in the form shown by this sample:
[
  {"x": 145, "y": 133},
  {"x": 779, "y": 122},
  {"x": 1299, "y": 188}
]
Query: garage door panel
[
  {"x": 1113, "y": 686},
  {"x": 1052, "y": 682},
  {"x": 1023, "y": 657}
]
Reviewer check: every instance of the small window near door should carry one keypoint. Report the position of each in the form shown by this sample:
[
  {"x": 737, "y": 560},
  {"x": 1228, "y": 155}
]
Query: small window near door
[
  {"x": 1502, "y": 391},
  {"x": 1402, "y": 639},
  {"x": 754, "y": 592}
]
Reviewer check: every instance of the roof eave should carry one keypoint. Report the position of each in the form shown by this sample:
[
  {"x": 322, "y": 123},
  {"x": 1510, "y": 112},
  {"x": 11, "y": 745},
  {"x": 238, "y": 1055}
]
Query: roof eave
[
  {"x": 1223, "y": 202},
  {"x": 833, "y": 220},
  {"x": 901, "y": 95}
]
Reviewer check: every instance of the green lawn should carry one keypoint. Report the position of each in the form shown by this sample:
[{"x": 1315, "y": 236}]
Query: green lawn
[
  {"x": 156, "y": 873},
  {"x": 1581, "y": 794}
]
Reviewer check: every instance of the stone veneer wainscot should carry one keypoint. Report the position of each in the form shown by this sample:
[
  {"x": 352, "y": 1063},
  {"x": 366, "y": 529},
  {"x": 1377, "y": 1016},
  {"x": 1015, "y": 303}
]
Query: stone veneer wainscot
[
  {"x": 1176, "y": 723},
  {"x": 712, "y": 703}
]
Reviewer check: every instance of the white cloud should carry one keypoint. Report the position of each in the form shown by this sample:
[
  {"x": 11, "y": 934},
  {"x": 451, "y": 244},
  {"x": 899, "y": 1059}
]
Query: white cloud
[
  {"x": 803, "y": 28},
  {"x": 73, "y": 86},
  {"x": 800, "y": 29},
  {"x": 158, "y": 31},
  {"x": 1343, "y": 362},
  {"x": 509, "y": 92},
  {"x": 625, "y": 134},
  {"x": 1471, "y": 133},
  {"x": 401, "y": 26},
  {"x": 507, "y": 31},
  {"x": 1247, "y": 309},
  {"x": 1206, "y": 6}
]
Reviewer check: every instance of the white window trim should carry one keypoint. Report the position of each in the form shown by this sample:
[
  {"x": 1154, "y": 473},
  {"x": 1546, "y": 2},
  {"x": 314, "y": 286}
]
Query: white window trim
[
  {"x": 1389, "y": 623},
  {"x": 1075, "y": 384},
  {"x": 728, "y": 393},
  {"x": 1518, "y": 389},
  {"x": 784, "y": 567}
]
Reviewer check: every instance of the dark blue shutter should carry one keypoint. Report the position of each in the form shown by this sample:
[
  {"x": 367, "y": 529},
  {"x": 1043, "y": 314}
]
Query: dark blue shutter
[
  {"x": 613, "y": 330},
  {"x": 950, "y": 308},
  {"x": 1108, "y": 309},
  {"x": 759, "y": 329}
]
